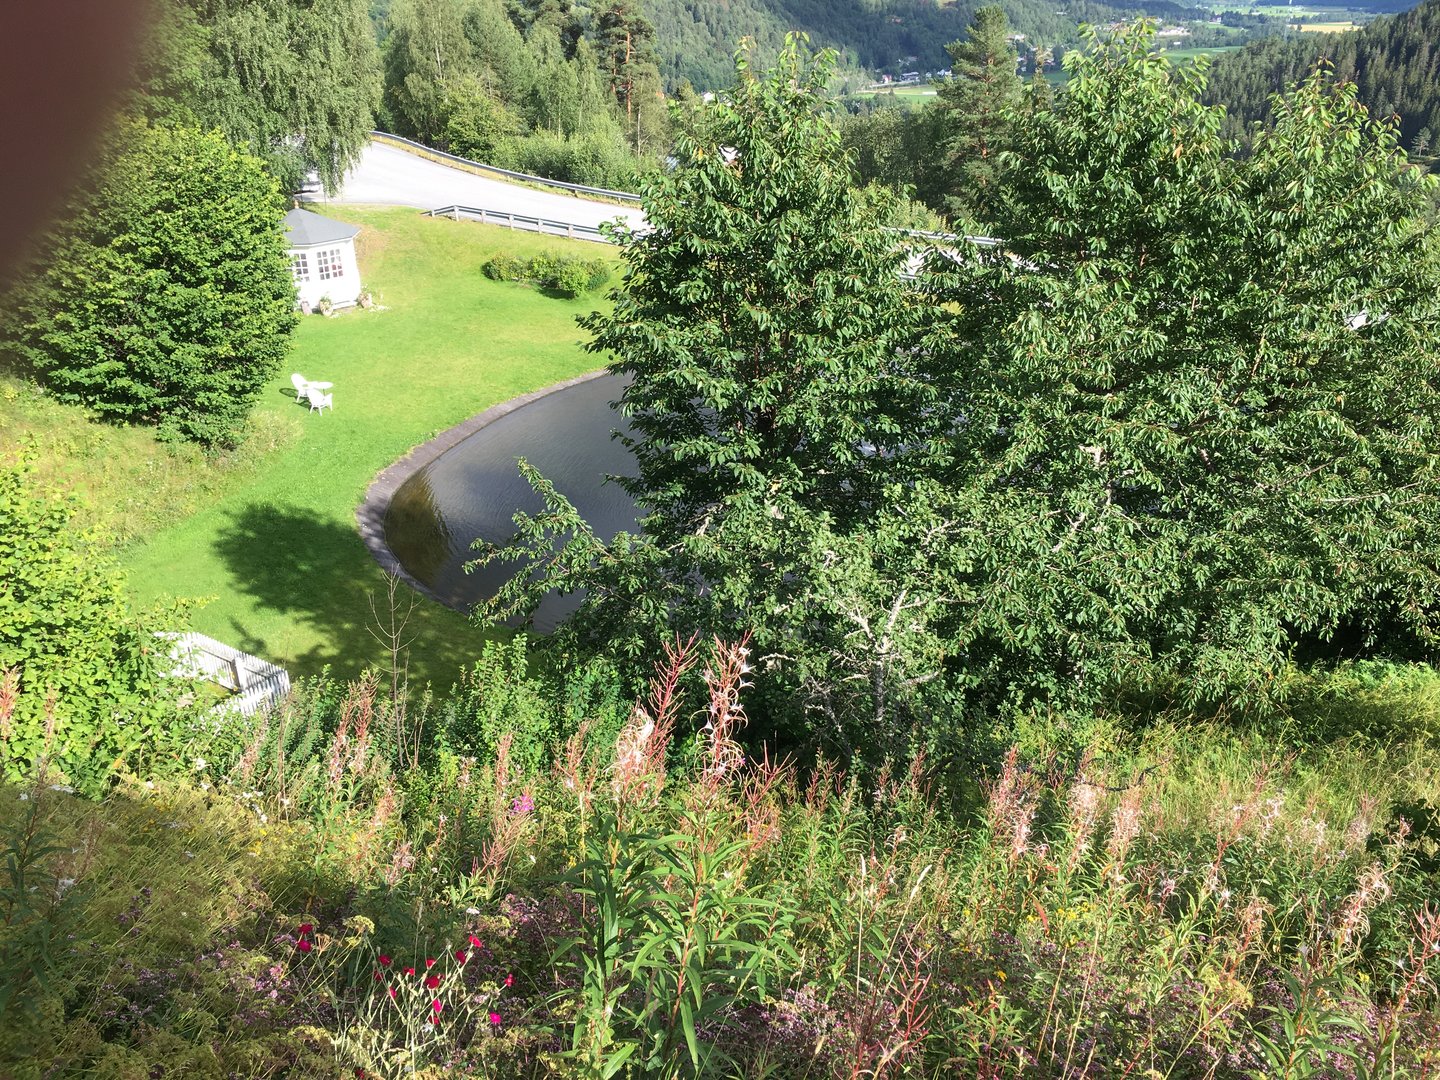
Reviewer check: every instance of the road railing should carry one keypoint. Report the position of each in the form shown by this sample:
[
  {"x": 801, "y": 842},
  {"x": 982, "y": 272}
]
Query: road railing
[
  {"x": 506, "y": 174},
  {"x": 546, "y": 226}
]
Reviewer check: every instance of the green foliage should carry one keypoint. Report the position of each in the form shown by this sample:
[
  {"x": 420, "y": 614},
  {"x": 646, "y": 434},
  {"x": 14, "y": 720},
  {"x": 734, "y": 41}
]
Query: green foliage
[
  {"x": 166, "y": 297},
  {"x": 426, "y": 48},
  {"x": 36, "y": 908},
  {"x": 1191, "y": 428},
  {"x": 504, "y": 268},
  {"x": 459, "y": 75},
  {"x": 297, "y": 83},
  {"x": 977, "y": 109},
  {"x": 476, "y": 123},
  {"x": 495, "y": 699},
  {"x": 82, "y": 689},
  {"x": 567, "y": 275},
  {"x": 1391, "y": 61},
  {"x": 673, "y": 942},
  {"x": 595, "y": 158},
  {"x": 768, "y": 411}
]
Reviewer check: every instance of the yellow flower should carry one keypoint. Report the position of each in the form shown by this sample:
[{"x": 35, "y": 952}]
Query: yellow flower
[{"x": 999, "y": 974}]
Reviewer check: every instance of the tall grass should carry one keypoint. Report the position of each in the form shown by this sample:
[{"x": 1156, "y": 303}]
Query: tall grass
[{"x": 654, "y": 901}]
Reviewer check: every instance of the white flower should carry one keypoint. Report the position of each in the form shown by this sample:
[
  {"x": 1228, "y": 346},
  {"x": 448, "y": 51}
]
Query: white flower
[
  {"x": 201, "y": 764},
  {"x": 63, "y": 787}
]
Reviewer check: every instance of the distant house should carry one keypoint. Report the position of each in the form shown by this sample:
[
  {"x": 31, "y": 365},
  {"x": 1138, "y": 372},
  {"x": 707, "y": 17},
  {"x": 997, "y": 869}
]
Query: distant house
[{"x": 322, "y": 259}]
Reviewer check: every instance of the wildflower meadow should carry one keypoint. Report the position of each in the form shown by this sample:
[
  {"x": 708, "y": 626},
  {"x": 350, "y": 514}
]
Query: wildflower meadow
[{"x": 370, "y": 886}]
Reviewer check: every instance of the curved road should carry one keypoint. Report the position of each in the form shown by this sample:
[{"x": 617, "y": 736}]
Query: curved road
[{"x": 394, "y": 177}]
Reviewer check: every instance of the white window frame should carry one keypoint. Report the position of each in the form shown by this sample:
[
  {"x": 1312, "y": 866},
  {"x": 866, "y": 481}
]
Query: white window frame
[
  {"x": 299, "y": 267},
  {"x": 328, "y": 264}
]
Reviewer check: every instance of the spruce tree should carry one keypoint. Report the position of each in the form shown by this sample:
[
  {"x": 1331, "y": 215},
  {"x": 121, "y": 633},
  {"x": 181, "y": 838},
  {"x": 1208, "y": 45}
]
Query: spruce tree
[{"x": 977, "y": 105}]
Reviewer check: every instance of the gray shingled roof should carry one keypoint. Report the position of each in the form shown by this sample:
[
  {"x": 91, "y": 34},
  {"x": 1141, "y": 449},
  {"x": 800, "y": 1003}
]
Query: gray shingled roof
[{"x": 302, "y": 229}]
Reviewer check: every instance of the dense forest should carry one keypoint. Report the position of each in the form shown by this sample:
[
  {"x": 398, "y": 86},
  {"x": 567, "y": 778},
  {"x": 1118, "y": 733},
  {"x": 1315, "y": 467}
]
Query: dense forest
[
  {"x": 1394, "y": 63},
  {"x": 694, "y": 40}
]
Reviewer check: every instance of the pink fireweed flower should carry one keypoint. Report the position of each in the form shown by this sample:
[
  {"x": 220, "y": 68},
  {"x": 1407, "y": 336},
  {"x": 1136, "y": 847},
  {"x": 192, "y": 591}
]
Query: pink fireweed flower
[
  {"x": 495, "y": 1019},
  {"x": 432, "y": 981},
  {"x": 384, "y": 960},
  {"x": 522, "y": 805}
]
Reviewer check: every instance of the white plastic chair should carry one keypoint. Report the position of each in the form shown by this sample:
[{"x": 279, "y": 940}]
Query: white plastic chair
[
  {"x": 302, "y": 386},
  {"x": 320, "y": 401}
]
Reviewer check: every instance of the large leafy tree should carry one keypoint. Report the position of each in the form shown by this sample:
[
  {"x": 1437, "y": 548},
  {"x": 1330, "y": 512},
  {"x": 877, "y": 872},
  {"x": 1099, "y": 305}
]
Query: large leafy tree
[
  {"x": 297, "y": 82},
  {"x": 760, "y": 324},
  {"x": 427, "y": 53},
  {"x": 1195, "y": 397},
  {"x": 166, "y": 297}
]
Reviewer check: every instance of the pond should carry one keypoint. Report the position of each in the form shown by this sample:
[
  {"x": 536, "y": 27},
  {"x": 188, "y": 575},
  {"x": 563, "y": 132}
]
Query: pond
[{"x": 473, "y": 490}]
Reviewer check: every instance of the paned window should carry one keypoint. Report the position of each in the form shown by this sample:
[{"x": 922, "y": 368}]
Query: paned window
[
  {"x": 328, "y": 263},
  {"x": 300, "y": 267}
]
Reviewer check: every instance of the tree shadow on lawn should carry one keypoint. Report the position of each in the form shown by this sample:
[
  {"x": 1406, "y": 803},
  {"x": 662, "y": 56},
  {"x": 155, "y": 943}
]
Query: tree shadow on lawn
[{"x": 317, "y": 573}]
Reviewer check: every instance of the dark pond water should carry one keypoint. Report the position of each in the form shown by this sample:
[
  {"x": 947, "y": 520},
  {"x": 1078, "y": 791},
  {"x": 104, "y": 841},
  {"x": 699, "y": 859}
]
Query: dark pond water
[{"x": 474, "y": 489}]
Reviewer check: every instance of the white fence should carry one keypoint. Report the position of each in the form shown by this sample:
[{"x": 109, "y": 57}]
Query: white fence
[
  {"x": 258, "y": 684},
  {"x": 547, "y": 226}
]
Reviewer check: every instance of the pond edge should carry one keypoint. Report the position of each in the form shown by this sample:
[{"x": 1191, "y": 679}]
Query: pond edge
[{"x": 370, "y": 514}]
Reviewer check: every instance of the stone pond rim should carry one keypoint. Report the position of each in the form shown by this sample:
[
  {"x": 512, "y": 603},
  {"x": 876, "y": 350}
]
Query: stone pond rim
[{"x": 580, "y": 451}]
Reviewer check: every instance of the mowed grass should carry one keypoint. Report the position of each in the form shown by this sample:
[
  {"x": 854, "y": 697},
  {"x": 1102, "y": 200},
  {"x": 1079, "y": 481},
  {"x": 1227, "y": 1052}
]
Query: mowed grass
[{"x": 276, "y": 553}]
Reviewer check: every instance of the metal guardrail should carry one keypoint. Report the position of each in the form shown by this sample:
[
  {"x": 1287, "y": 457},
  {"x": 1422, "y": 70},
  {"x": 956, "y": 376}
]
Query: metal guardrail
[
  {"x": 547, "y": 226},
  {"x": 625, "y": 196}
]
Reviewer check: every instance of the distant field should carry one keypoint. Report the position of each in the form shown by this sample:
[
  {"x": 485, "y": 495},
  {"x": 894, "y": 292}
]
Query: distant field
[
  {"x": 1325, "y": 27},
  {"x": 920, "y": 90},
  {"x": 1185, "y": 56}
]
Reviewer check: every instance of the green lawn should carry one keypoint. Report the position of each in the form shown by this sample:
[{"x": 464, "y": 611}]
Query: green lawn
[{"x": 277, "y": 551}]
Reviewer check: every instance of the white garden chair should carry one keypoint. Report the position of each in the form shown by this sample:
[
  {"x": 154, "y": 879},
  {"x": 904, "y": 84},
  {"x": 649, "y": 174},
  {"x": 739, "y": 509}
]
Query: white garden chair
[
  {"x": 302, "y": 386},
  {"x": 320, "y": 401}
]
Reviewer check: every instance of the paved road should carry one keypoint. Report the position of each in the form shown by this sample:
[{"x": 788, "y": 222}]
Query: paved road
[{"x": 394, "y": 177}]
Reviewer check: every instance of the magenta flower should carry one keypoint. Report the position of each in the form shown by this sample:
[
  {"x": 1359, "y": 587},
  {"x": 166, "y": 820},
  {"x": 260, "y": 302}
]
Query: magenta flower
[
  {"x": 306, "y": 928},
  {"x": 510, "y": 980},
  {"x": 522, "y": 805},
  {"x": 432, "y": 981},
  {"x": 494, "y": 1019},
  {"x": 476, "y": 943},
  {"x": 384, "y": 960}
]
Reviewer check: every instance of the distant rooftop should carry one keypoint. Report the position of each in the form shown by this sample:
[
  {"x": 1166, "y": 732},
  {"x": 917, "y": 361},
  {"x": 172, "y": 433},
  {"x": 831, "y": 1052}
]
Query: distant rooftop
[{"x": 302, "y": 229}]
